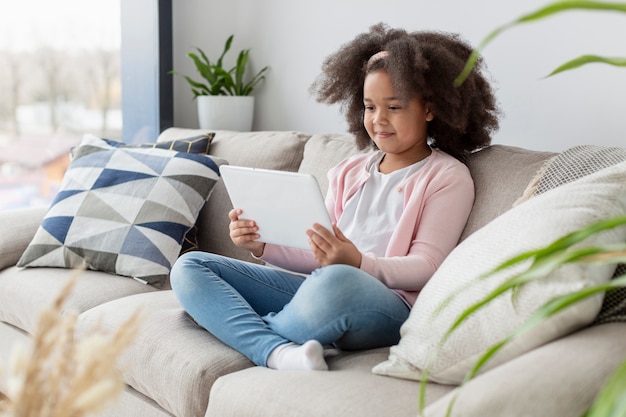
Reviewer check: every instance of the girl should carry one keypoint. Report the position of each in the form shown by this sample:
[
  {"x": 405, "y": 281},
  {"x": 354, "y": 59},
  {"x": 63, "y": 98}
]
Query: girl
[{"x": 397, "y": 211}]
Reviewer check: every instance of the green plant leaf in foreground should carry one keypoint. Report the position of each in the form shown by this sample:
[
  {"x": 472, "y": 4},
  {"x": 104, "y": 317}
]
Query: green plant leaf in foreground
[
  {"x": 611, "y": 401},
  {"x": 549, "y": 10},
  {"x": 588, "y": 59}
]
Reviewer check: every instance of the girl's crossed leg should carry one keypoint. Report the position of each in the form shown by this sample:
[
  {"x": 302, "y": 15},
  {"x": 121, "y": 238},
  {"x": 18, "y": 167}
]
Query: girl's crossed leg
[{"x": 256, "y": 309}]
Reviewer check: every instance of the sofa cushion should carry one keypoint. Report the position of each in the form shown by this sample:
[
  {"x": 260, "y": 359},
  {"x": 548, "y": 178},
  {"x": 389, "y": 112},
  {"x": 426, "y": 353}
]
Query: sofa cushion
[
  {"x": 24, "y": 292},
  {"x": 269, "y": 150},
  {"x": 324, "y": 151},
  {"x": 347, "y": 389},
  {"x": 123, "y": 210},
  {"x": 172, "y": 360},
  {"x": 500, "y": 173},
  {"x": 17, "y": 228},
  {"x": 561, "y": 378},
  {"x": 531, "y": 225},
  {"x": 135, "y": 404}
]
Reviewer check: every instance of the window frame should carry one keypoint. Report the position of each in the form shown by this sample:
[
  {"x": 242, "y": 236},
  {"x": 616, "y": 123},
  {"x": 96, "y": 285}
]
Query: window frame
[{"x": 146, "y": 60}]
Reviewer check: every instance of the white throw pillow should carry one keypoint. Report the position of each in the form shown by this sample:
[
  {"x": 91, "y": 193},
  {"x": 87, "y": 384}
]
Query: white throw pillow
[{"x": 531, "y": 225}]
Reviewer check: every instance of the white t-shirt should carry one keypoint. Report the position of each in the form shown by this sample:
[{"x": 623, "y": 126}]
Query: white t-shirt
[{"x": 371, "y": 215}]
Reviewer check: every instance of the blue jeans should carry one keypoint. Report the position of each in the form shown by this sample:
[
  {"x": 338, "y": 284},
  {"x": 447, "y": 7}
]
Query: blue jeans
[{"x": 254, "y": 308}]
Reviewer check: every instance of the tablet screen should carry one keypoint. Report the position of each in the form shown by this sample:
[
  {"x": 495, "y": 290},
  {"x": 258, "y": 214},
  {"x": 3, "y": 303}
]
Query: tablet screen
[{"x": 283, "y": 204}]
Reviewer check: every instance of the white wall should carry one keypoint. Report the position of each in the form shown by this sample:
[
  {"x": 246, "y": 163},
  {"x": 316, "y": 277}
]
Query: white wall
[{"x": 584, "y": 106}]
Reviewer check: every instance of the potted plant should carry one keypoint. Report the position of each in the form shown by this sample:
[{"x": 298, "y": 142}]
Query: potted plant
[{"x": 224, "y": 95}]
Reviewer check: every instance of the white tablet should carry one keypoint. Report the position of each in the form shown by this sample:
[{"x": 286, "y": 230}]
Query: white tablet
[{"x": 283, "y": 204}]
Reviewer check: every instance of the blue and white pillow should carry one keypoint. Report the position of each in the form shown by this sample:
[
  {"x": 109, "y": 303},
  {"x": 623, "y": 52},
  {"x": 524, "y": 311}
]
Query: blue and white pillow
[
  {"x": 123, "y": 210},
  {"x": 199, "y": 144}
]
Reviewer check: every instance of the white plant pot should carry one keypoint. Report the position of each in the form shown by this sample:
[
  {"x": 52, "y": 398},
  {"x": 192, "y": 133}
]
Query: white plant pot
[{"x": 226, "y": 112}]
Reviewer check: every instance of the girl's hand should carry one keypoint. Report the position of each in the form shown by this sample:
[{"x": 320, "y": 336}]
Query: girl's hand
[
  {"x": 329, "y": 248},
  {"x": 244, "y": 234}
]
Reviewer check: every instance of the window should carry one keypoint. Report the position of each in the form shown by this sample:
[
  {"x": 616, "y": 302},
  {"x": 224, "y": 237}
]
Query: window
[{"x": 71, "y": 67}]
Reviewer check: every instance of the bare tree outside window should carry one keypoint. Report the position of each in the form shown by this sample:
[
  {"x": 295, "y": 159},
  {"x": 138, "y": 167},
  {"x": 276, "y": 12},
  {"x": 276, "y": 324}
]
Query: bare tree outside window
[{"x": 59, "y": 79}]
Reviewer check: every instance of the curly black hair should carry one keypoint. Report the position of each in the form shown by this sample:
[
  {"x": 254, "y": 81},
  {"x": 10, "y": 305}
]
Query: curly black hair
[{"x": 422, "y": 63}]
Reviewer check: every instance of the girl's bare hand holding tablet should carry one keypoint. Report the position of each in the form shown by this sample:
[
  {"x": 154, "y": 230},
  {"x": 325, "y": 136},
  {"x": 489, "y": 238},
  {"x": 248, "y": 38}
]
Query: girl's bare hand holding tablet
[
  {"x": 333, "y": 248},
  {"x": 244, "y": 233}
]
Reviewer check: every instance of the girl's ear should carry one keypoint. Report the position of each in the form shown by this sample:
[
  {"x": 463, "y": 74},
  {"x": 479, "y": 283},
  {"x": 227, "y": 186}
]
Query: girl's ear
[
  {"x": 429, "y": 107},
  {"x": 429, "y": 113}
]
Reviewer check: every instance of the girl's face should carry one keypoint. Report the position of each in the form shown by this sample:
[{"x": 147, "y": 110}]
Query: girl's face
[{"x": 397, "y": 129}]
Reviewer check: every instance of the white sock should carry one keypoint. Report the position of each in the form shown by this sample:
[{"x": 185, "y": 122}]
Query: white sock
[{"x": 306, "y": 357}]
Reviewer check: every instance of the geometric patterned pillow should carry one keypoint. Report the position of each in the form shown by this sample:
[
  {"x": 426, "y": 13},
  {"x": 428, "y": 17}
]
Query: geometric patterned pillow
[
  {"x": 123, "y": 210},
  {"x": 200, "y": 145}
]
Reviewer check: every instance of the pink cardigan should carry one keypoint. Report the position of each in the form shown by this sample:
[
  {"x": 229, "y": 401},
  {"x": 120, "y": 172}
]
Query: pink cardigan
[{"x": 438, "y": 199}]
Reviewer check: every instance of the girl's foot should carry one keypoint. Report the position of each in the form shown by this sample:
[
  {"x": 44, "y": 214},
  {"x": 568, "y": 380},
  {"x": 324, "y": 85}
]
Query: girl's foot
[{"x": 306, "y": 357}]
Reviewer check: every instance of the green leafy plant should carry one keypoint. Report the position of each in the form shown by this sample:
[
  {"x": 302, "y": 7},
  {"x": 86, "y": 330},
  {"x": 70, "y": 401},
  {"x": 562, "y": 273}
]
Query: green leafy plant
[
  {"x": 219, "y": 81},
  {"x": 547, "y": 11},
  {"x": 612, "y": 400}
]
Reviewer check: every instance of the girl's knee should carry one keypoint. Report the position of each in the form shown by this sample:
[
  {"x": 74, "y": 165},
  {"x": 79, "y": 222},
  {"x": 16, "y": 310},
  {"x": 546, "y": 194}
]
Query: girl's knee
[
  {"x": 182, "y": 272},
  {"x": 337, "y": 278}
]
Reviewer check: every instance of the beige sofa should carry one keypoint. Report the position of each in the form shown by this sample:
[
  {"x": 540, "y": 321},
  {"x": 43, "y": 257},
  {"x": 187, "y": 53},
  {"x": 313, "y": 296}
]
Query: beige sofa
[{"x": 175, "y": 368}]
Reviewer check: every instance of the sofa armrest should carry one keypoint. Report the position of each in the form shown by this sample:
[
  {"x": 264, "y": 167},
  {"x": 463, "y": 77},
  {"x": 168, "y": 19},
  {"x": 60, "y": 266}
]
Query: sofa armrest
[
  {"x": 561, "y": 378},
  {"x": 17, "y": 229}
]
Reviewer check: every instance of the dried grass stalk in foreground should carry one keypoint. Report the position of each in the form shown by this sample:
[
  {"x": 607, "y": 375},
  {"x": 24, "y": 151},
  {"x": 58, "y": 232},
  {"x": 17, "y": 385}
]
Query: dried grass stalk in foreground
[{"x": 65, "y": 376}]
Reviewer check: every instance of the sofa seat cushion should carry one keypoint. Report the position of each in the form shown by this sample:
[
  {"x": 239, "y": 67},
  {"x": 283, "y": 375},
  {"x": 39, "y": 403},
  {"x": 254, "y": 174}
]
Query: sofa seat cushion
[
  {"x": 132, "y": 403},
  {"x": 24, "y": 292},
  {"x": 10, "y": 337},
  {"x": 348, "y": 389},
  {"x": 561, "y": 378},
  {"x": 172, "y": 360}
]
